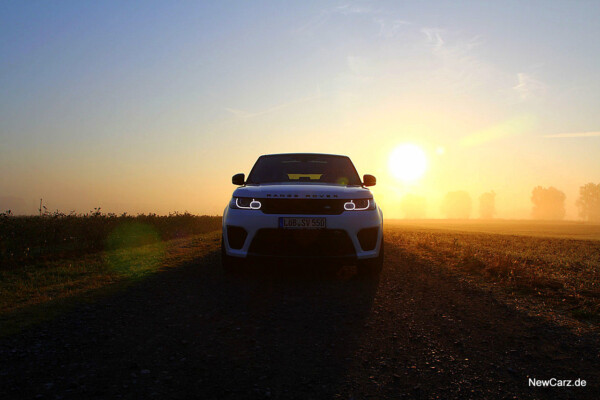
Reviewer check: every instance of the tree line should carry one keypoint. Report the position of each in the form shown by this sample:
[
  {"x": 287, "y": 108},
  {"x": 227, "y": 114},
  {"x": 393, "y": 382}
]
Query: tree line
[{"x": 547, "y": 204}]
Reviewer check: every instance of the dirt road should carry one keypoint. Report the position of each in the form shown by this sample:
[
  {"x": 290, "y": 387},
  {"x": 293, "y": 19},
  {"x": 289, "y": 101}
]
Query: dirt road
[{"x": 298, "y": 333}]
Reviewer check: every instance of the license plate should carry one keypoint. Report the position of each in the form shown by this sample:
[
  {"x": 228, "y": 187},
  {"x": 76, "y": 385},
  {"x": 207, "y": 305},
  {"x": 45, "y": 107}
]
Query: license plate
[{"x": 302, "y": 223}]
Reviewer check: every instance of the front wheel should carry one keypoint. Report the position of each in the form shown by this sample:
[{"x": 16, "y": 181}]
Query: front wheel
[{"x": 372, "y": 266}]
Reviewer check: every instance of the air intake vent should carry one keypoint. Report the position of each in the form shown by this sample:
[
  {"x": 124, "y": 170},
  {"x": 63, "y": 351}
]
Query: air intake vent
[
  {"x": 302, "y": 243},
  {"x": 368, "y": 238},
  {"x": 236, "y": 236}
]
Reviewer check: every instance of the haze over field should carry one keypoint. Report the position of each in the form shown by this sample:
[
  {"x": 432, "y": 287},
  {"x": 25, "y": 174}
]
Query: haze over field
[{"x": 152, "y": 106}]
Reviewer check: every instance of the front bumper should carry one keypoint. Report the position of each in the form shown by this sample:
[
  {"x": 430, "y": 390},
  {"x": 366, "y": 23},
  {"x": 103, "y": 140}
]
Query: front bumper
[{"x": 264, "y": 238}]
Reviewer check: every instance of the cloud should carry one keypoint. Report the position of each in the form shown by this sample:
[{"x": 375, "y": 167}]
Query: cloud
[
  {"x": 457, "y": 64},
  {"x": 314, "y": 22},
  {"x": 249, "y": 114},
  {"x": 347, "y": 9},
  {"x": 324, "y": 15},
  {"x": 529, "y": 87},
  {"x": 360, "y": 73},
  {"x": 512, "y": 127},
  {"x": 573, "y": 135},
  {"x": 434, "y": 37},
  {"x": 390, "y": 29},
  {"x": 241, "y": 113}
]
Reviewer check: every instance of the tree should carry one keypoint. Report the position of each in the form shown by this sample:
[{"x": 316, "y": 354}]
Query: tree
[
  {"x": 548, "y": 203},
  {"x": 457, "y": 205},
  {"x": 589, "y": 202},
  {"x": 487, "y": 205},
  {"x": 413, "y": 206}
]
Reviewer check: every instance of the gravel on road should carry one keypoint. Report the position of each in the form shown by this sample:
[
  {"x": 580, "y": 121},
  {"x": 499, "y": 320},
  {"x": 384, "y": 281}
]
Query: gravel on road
[{"x": 300, "y": 332}]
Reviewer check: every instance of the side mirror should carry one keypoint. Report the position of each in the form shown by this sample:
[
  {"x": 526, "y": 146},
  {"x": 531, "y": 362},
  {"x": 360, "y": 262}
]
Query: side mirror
[
  {"x": 238, "y": 179},
  {"x": 369, "y": 180}
]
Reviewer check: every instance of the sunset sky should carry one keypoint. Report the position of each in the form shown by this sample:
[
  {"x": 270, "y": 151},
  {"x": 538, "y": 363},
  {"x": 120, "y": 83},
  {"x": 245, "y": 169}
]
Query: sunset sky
[{"x": 152, "y": 106}]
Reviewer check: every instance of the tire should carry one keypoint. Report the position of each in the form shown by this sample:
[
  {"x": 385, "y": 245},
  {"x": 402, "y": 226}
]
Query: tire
[
  {"x": 372, "y": 266},
  {"x": 228, "y": 263}
]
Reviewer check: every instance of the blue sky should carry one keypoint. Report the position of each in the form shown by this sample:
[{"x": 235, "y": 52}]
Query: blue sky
[{"x": 143, "y": 106}]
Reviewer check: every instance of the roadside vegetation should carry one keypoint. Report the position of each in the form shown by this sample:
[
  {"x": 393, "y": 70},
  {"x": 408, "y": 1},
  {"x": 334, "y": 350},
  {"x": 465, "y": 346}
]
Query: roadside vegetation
[
  {"x": 30, "y": 240},
  {"x": 34, "y": 293},
  {"x": 52, "y": 262},
  {"x": 49, "y": 263},
  {"x": 550, "y": 276}
]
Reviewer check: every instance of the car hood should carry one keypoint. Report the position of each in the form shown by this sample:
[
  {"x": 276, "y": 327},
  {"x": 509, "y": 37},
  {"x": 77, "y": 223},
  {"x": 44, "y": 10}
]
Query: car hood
[{"x": 303, "y": 191}]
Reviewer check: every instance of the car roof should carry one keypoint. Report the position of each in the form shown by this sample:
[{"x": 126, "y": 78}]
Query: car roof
[{"x": 303, "y": 154}]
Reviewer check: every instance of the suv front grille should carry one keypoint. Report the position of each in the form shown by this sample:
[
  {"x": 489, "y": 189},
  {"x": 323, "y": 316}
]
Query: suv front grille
[
  {"x": 302, "y": 243},
  {"x": 303, "y": 206}
]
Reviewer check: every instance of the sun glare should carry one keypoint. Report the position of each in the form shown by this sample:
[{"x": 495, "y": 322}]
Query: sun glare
[{"x": 408, "y": 162}]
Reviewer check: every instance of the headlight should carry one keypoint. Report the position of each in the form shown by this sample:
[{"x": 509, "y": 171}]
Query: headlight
[
  {"x": 245, "y": 203},
  {"x": 359, "y": 205}
]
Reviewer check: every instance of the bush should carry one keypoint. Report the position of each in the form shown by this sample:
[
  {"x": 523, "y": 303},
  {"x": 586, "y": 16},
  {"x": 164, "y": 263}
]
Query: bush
[{"x": 27, "y": 240}]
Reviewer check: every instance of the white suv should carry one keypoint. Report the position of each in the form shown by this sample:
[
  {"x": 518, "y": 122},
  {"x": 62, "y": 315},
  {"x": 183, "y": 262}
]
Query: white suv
[{"x": 303, "y": 206}]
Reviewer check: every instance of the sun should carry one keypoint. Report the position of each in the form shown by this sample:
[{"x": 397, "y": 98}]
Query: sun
[{"x": 408, "y": 162}]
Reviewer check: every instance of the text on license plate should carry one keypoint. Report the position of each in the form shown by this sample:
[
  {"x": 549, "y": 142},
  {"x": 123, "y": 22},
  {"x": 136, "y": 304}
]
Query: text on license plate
[{"x": 302, "y": 223}]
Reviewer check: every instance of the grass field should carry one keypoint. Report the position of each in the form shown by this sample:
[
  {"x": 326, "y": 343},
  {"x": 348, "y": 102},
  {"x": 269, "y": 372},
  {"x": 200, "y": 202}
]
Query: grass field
[
  {"x": 548, "y": 268},
  {"x": 28, "y": 240},
  {"x": 49, "y": 262},
  {"x": 556, "y": 229},
  {"x": 38, "y": 292}
]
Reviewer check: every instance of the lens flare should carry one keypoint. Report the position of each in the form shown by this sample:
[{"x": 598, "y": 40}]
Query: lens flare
[{"x": 134, "y": 249}]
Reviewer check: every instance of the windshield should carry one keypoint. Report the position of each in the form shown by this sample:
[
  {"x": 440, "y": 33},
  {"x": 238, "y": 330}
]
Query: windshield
[{"x": 304, "y": 168}]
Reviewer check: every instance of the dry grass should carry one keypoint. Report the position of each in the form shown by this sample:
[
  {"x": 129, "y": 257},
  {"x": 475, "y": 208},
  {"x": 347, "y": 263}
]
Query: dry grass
[
  {"x": 555, "y": 229},
  {"x": 51, "y": 237},
  {"x": 38, "y": 292},
  {"x": 555, "y": 275},
  {"x": 551, "y": 275}
]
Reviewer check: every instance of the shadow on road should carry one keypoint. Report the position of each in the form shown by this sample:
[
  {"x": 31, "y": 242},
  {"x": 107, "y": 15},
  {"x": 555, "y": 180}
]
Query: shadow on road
[
  {"x": 297, "y": 331},
  {"x": 193, "y": 330}
]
